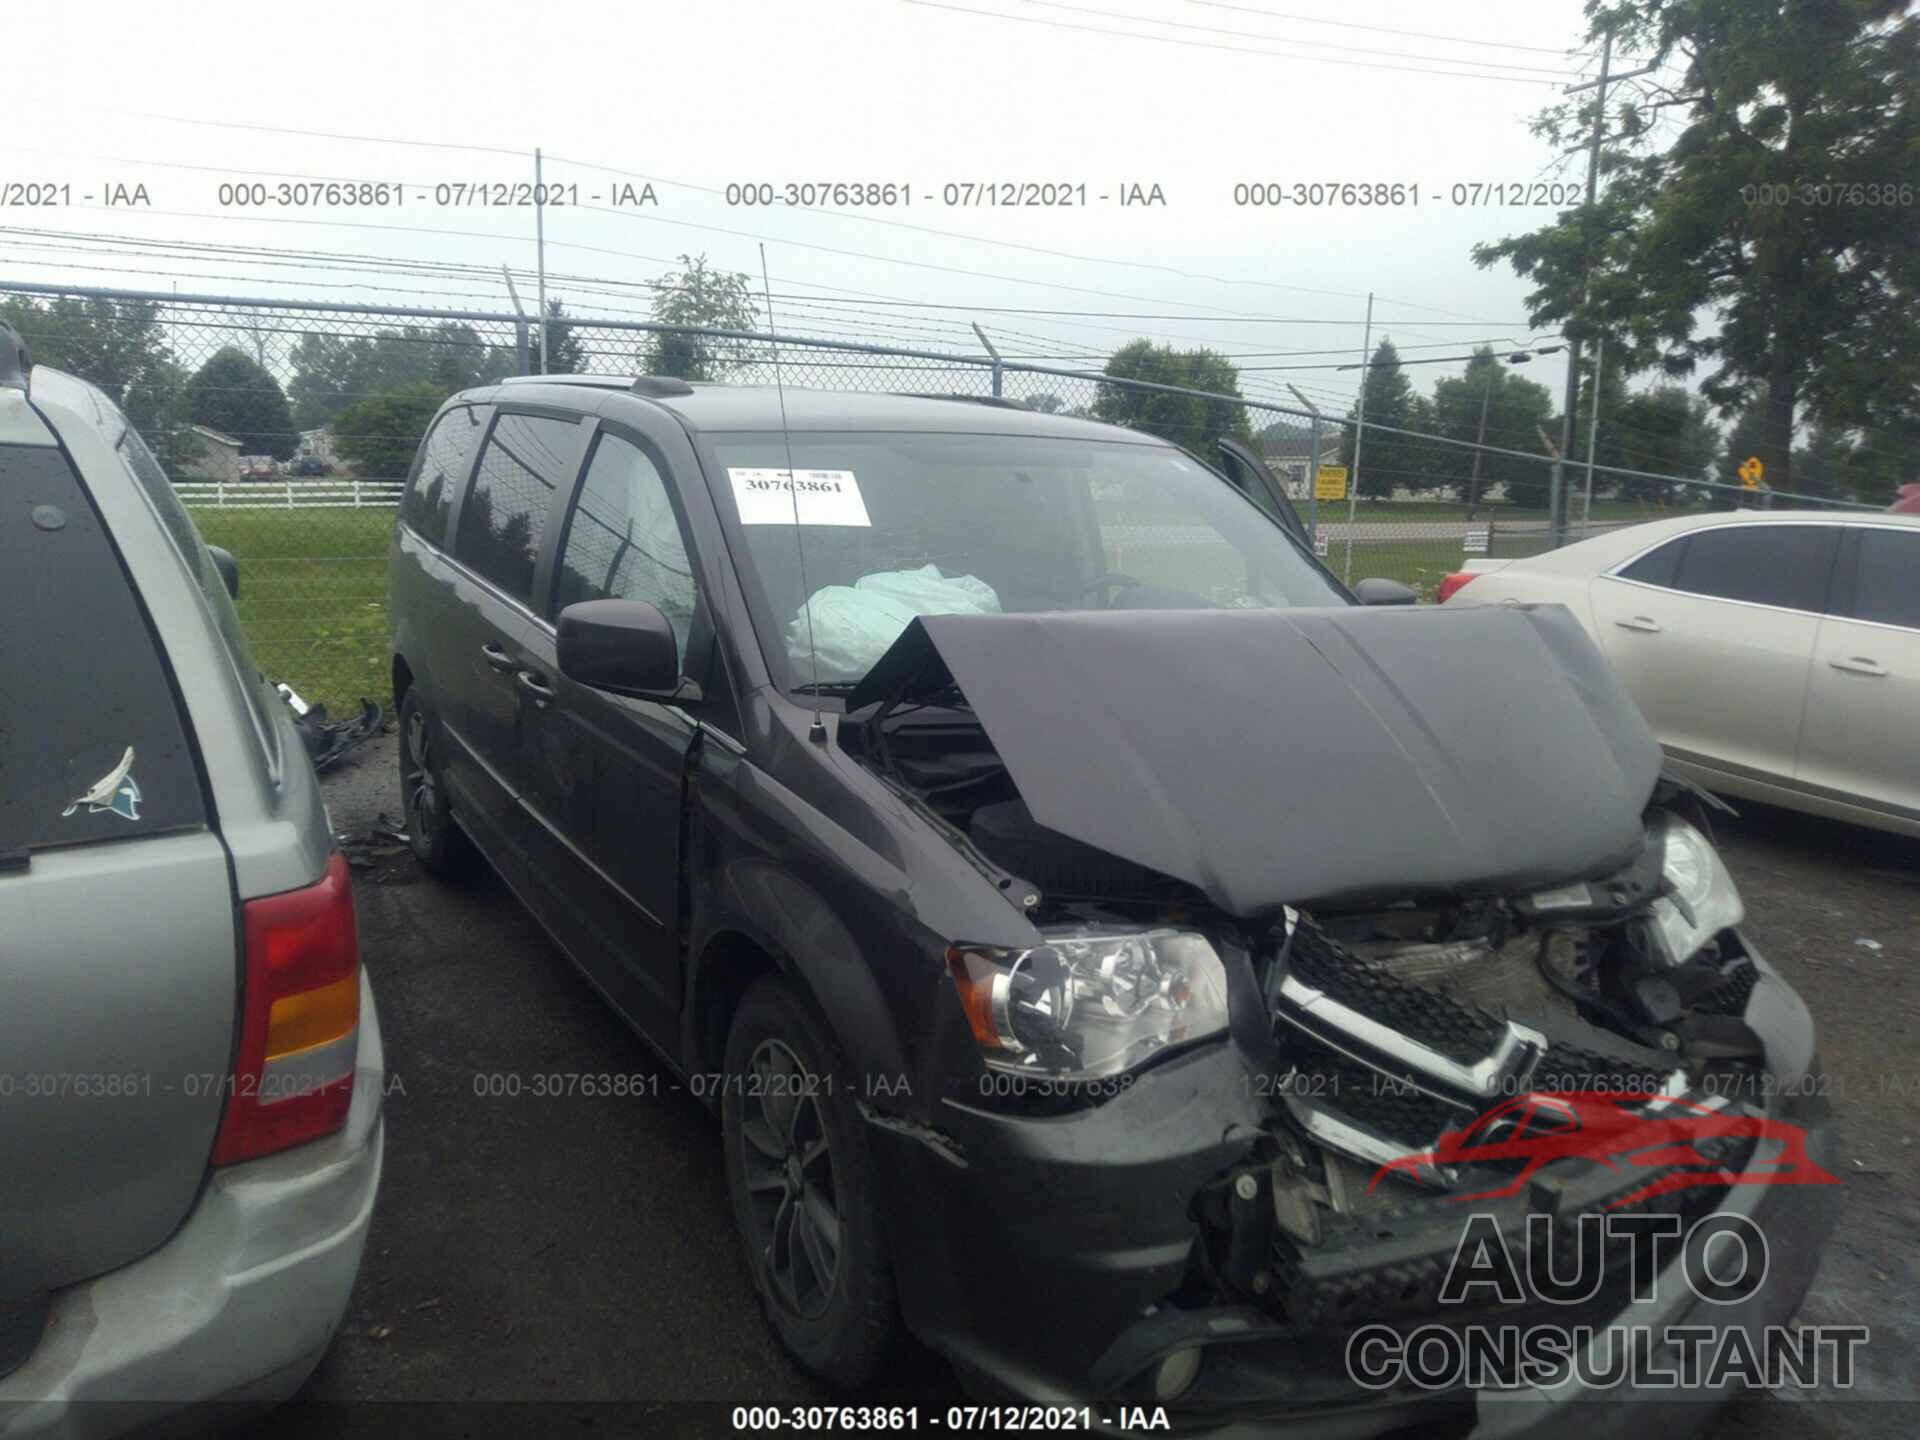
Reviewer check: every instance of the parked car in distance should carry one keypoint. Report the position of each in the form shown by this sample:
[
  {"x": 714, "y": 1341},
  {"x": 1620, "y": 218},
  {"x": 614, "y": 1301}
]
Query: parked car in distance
[
  {"x": 1035, "y": 856},
  {"x": 256, "y": 467},
  {"x": 190, "y": 1057},
  {"x": 308, "y": 467},
  {"x": 1775, "y": 654}
]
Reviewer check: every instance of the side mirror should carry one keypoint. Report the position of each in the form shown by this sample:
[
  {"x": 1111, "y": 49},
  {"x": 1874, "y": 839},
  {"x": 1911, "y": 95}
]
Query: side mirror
[
  {"x": 1384, "y": 592},
  {"x": 625, "y": 646},
  {"x": 228, "y": 567}
]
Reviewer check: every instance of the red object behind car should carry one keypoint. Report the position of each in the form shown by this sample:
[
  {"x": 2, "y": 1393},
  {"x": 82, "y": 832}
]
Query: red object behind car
[
  {"x": 1451, "y": 585},
  {"x": 1908, "y": 502}
]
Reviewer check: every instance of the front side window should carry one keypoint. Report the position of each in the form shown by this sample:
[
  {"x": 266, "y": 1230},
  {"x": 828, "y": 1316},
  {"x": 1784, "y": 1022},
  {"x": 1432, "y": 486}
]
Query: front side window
[
  {"x": 623, "y": 542},
  {"x": 444, "y": 457},
  {"x": 891, "y": 526},
  {"x": 1784, "y": 565},
  {"x": 527, "y": 457},
  {"x": 1886, "y": 585}
]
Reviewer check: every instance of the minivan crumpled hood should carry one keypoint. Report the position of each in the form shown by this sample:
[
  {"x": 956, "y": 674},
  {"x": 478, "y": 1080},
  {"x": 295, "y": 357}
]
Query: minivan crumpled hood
[{"x": 1274, "y": 757}]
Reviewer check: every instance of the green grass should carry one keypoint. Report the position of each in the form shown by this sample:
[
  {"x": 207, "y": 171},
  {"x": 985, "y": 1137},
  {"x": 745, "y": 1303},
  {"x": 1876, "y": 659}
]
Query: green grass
[{"x": 313, "y": 596}]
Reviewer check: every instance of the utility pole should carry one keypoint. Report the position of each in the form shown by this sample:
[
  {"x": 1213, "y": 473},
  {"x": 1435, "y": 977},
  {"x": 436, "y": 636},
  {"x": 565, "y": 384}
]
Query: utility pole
[
  {"x": 1479, "y": 443},
  {"x": 1593, "y": 432},
  {"x": 540, "y": 255},
  {"x": 1359, "y": 433},
  {"x": 1313, "y": 468},
  {"x": 1556, "y": 500}
]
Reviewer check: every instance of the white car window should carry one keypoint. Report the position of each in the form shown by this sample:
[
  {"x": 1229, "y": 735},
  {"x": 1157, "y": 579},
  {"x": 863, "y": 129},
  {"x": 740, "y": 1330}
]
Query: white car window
[
  {"x": 1784, "y": 565},
  {"x": 1887, "y": 578}
]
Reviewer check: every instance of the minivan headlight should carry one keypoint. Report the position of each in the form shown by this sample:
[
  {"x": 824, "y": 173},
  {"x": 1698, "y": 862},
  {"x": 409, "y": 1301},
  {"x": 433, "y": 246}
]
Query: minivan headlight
[
  {"x": 1698, "y": 899},
  {"x": 1084, "y": 1005}
]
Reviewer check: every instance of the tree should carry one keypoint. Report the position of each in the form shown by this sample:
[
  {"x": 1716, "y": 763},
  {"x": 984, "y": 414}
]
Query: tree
[
  {"x": 564, "y": 350},
  {"x": 1388, "y": 462},
  {"x": 1514, "y": 409},
  {"x": 699, "y": 297},
  {"x": 379, "y": 432},
  {"x": 333, "y": 371},
  {"x": 232, "y": 393},
  {"x": 1665, "y": 431},
  {"x": 1046, "y": 403},
  {"x": 1776, "y": 207},
  {"x": 119, "y": 345},
  {"x": 1192, "y": 421}
]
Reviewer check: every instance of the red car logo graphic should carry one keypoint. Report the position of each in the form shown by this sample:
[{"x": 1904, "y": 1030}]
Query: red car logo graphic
[{"x": 1624, "y": 1132}]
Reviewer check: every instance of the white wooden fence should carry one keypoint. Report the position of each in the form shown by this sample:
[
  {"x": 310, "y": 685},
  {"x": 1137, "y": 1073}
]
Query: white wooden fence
[{"x": 290, "y": 494}]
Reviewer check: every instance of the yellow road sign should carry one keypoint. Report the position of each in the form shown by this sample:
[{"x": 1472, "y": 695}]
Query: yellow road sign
[
  {"x": 1750, "y": 472},
  {"x": 1330, "y": 483}
]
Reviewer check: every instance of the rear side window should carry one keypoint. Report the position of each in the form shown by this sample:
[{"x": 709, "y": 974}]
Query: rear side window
[
  {"x": 92, "y": 746},
  {"x": 1785, "y": 565},
  {"x": 527, "y": 458},
  {"x": 1656, "y": 566},
  {"x": 445, "y": 456},
  {"x": 1886, "y": 583}
]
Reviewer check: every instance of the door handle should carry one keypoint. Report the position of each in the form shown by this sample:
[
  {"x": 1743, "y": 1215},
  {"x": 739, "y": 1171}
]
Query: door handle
[
  {"x": 497, "y": 658},
  {"x": 536, "y": 687},
  {"x": 1860, "y": 665},
  {"x": 1644, "y": 624}
]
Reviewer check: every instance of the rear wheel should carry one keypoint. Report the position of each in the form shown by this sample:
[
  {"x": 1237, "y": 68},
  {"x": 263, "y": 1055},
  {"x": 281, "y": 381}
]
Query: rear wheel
[
  {"x": 438, "y": 843},
  {"x": 802, "y": 1180}
]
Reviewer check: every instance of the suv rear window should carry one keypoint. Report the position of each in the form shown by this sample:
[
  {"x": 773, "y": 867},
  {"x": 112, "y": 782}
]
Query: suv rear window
[
  {"x": 89, "y": 688},
  {"x": 527, "y": 458}
]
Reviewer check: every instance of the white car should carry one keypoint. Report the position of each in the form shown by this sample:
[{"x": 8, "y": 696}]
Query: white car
[{"x": 1776, "y": 655}]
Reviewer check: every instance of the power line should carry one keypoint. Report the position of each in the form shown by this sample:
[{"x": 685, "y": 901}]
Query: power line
[
  {"x": 1378, "y": 29},
  {"x": 1232, "y": 49},
  {"x": 1560, "y": 71}
]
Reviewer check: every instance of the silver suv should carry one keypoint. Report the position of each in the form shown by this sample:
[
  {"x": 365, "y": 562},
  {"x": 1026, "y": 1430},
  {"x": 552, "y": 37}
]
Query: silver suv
[{"x": 190, "y": 1062}]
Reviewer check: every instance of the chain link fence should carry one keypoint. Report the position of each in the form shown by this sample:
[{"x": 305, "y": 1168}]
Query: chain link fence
[{"x": 288, "y": 431}]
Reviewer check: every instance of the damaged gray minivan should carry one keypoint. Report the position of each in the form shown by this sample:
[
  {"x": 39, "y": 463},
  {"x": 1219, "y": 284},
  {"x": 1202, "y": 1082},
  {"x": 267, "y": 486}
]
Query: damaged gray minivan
[{"x": 1081, "y": 910}]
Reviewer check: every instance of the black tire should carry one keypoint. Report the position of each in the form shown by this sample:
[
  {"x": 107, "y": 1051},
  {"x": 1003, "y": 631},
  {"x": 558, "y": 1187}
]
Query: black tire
[
  {"x": 841, "y": 1330},
  {"x": 438, "y": 842}
]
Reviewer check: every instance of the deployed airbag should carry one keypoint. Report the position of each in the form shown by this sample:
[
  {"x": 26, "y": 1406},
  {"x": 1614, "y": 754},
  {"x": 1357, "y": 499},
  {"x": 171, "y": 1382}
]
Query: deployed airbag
[{"x": 854, "y": 624}]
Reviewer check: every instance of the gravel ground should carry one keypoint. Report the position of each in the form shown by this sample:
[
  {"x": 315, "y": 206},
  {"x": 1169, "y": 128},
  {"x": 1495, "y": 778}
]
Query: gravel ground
[{"x": 580, "y": 1250}]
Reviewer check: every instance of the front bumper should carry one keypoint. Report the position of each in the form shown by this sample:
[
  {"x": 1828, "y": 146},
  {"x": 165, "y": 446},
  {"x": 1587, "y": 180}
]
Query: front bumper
[
  {"x": 1043, "y": 1256},
  {"x": 236, "y": 1309}
]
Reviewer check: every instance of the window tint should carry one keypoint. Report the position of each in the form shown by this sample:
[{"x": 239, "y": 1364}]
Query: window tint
[
  {"x": 527, "y": 457},
  {"x": 1656, "y": 566},
  {"x": 1787, "y": 565},
  {"x": 623, "y": 542},
  {"x": 1887, "y": 584},
  {"x": 99, "y": 688},
  {"x": 444, "y": 457}
]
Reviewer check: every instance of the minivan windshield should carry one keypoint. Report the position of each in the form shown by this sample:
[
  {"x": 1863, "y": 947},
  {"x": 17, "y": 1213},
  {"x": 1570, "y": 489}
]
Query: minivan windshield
[{"x": 897, "y": 525}]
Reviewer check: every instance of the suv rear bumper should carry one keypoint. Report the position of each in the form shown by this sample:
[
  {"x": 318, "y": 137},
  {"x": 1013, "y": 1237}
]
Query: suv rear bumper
[{"x": 236, "y": 1308}]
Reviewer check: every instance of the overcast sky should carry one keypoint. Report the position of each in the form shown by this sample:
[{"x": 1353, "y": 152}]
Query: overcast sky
[{"x": 696, "y": 97}]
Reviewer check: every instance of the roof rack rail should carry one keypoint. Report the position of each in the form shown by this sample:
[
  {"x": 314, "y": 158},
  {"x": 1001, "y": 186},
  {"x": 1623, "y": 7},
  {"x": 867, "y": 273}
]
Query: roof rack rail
[
  {"x": 15, "y": 360},
  {"x": 661, "y": 385},
  {"x": 999, "y": 402}
]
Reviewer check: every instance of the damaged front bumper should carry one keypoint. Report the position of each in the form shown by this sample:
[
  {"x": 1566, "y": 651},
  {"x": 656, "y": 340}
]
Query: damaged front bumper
[{"x": 1087, "y": 1258}]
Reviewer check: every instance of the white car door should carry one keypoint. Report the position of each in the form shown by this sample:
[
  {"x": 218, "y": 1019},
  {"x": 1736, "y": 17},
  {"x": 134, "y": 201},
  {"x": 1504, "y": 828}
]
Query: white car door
[
  {"x": 1862, "y": 731},
  {"x": 1713, "y": 634}
]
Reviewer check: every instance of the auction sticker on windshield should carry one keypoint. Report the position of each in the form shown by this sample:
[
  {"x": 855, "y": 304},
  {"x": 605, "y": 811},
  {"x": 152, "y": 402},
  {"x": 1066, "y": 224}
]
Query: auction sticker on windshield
[{"x": 815, "y": 497}]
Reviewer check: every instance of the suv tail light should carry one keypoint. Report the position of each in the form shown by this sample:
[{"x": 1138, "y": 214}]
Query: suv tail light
[
  {"x": 1451, "y": 585},
  {"x": 300, "y": 1020}
]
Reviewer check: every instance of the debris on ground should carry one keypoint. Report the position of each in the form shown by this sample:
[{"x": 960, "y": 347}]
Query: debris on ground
[
  {"x": 330, "y": 741},
  {"x": 380, "y": 841},
  {"x": 1866, "y": 944}
]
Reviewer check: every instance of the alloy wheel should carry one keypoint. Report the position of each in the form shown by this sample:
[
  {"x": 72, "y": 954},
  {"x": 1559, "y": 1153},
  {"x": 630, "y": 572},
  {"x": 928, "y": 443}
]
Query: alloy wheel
[{"x": 788, "y": 1162}]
